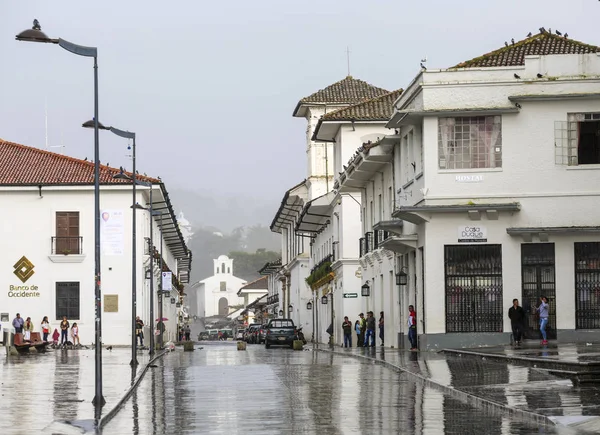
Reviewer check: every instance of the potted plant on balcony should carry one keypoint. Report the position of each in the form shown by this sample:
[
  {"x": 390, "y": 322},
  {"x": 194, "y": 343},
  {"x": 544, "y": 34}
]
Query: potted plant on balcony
[{"x": 65, "y": 251}]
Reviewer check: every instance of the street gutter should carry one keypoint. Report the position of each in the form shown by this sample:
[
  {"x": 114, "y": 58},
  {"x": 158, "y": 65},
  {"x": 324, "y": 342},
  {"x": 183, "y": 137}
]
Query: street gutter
[{"x": 470, "y": 399}]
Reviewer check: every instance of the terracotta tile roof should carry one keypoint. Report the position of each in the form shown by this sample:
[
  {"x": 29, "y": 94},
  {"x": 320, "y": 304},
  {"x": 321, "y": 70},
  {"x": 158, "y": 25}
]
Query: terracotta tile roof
[
  {"x": 24, "y": 165},
  {"x": 376, "y": 109},
  {"x": 346, "y": 91},
  {"x": 258, "y": 284},
  {"x": 543, "y": 43}
]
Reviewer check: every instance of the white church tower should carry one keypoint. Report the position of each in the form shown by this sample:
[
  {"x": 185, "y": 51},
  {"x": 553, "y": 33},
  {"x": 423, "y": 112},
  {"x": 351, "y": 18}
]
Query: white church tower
[{"x": 216, "y": 294}]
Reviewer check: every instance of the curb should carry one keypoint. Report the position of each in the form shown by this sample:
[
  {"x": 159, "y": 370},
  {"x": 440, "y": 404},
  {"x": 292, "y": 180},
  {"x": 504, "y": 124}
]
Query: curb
[
  {"x": 463, "y": 396},
  {"x": 111, "y": 414},
  {"x": 564, "y": 365}
]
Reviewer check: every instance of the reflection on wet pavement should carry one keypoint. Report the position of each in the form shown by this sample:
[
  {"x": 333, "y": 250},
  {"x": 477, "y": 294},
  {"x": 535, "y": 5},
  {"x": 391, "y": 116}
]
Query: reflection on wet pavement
[
  {"x": 220, "y": 390},
  {"x": 58, "y": 385}
]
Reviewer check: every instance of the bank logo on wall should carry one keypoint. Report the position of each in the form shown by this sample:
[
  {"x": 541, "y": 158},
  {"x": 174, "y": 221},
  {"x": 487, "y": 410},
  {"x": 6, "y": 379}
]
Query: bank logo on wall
[{"x": 24, "y": 269}]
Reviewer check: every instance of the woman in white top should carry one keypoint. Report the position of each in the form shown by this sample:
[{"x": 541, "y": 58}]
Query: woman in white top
[
  {"x": 45, "y": 328},
  {"x": 75, "y": 334}
]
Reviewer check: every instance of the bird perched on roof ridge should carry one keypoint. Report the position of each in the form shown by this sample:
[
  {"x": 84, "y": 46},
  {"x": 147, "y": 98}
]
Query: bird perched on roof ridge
[
  {"x": 558, "y": 33},
  {"x": 512, "y": 41},
  {"x": 542, "y": 30},
  {"x": 505, "y": 44},
  {"x": 516, "y": 76},
  {"x": 529, "y": 35},
  {"x": 566, "y": 35},
  {"x": 550, "y": 30},
  {"x": 423, "y": 66},
  {"x": 539, "y": 76},
  {"x": 36, "y": 25}
]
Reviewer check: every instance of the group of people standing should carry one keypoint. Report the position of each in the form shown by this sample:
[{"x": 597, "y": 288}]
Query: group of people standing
[
  {"x": 517, "y": 314},
  {"x": 25, "y": 327},
  {"x": 365, "y": 330}
]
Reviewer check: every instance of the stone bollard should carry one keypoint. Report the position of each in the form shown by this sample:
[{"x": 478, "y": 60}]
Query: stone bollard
[
  {"x": 298, "y": 344},
  {"x": 241, "y": 345},
  {"x": 188, "y": 346}
]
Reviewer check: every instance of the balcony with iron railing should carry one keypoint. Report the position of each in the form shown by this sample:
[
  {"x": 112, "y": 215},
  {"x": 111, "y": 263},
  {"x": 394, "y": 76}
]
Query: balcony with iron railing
[
  {"x": 67, "y": 245},
  {"x": 380, "y": 236},
  {"x": 327, "y": 259}
]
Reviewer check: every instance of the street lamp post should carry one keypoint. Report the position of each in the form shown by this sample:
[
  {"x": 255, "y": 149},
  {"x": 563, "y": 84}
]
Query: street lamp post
[
  {"x": 128, "y": 135},
  {"x": 35, "y": 34}
]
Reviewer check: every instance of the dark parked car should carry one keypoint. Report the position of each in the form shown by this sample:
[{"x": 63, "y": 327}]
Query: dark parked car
[
  {"x": 280, "y": 332},
  {"x": 262, "y": 334},
  {"x": 251, "y": 333}
]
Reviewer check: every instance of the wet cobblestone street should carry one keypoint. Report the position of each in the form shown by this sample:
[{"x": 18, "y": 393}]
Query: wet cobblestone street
[{"x": 219, "y": 390}]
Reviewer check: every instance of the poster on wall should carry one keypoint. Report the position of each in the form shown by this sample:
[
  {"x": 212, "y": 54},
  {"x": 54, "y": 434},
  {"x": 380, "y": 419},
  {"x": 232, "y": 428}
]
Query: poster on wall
[
  {"x": 472, "y": 234},
  {"x": 112, "y": 231}
]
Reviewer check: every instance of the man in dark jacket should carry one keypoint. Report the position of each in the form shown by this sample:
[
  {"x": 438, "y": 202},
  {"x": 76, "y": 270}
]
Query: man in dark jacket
[
  {"x": 347, "y": 328},
  {"x": 516, "y": 314},
  {"x": 370, "y": 330}
]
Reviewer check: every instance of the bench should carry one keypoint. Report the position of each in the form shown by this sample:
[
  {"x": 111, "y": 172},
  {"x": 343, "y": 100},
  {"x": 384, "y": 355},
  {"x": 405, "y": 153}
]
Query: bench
[{"x": 35, "y": 341}]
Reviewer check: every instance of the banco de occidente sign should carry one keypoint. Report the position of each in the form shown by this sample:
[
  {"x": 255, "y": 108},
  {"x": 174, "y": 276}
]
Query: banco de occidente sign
[{"x": 23, "y": 269}]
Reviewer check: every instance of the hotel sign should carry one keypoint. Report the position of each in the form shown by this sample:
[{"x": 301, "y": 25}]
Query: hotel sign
[
  {"x": 23, "y": 269},
  {"x": 472, "y": 234}
]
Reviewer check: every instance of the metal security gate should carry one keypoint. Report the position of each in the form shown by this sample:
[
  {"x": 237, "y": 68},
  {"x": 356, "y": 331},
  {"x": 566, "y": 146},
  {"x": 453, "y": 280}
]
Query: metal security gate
[
  {"x": 587, "y": 285},
  {"x": 473, "y": 276},
  {"x": 538, "y": 279}
]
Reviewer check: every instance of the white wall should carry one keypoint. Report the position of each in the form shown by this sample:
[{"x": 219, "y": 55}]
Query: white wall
[{"x": 28, "y": 229}]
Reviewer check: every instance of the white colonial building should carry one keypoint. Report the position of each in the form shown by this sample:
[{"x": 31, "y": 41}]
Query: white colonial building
[
  {"x": 308, "y": 239},
  {"x": 217, "y": 293},
  {"x": 493, "y": 181},
  {"x": 48, "y": 231}
]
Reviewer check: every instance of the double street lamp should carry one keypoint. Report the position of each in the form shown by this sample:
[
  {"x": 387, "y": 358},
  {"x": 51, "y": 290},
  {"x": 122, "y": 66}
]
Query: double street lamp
[
  {"x": 35, "y": 34},
  {"x": 127, "y": 135}
]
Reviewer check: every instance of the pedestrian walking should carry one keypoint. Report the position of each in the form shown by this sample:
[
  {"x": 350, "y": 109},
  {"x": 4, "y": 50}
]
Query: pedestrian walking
[
  {"x": 370, "y": 330},
  {"x": 75, "y": 334},
  {"x": 139, "y": 331},
  {"x": 543, "y": 310},
  {"x": 381, "y": 327},
  {"x": 347, "y": 328},
  {"x": 18, "y": 324},
  {"x": 187, "y": 331},
  {"x": 64, "y": 330},
  {"x": 357, "y": 330},
  {"x": 516, "y": 314},
  {"x": 412, "y": 327},
  {"x": 45, "y": 328},
  {"x": 27, "y": 329}
]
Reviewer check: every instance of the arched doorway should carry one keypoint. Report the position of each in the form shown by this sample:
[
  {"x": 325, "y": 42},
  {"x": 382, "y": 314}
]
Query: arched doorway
[{"x": 223, "y": 307}]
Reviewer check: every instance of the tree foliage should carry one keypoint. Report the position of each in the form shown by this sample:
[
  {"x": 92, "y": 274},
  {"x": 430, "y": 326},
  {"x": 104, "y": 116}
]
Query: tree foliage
[{"x": 246, "y": 265}]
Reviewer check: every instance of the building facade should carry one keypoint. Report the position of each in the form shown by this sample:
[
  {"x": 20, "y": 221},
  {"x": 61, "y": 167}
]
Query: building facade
[
  {"x": 217, "y": 293},
  {"x": 49, "y": 268}
]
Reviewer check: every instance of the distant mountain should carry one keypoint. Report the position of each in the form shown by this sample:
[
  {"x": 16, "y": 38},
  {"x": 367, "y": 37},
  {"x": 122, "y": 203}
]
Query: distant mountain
[{"x": 224, "y": 212}]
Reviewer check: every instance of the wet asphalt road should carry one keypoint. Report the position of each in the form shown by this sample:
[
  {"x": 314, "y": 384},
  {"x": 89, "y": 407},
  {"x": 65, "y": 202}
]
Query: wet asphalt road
[{"x": 219, "y": 390}]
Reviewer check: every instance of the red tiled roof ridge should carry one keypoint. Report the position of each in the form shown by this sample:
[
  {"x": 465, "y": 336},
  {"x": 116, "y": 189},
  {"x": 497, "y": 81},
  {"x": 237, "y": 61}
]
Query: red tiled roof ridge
[
  {"x": 65, "y": 158},
  {"x": 256, "y": 281},
  {"x": 334, "y": 114},
  {"x": 349, "y": 79},
  {"x": 513, "y": 54}
]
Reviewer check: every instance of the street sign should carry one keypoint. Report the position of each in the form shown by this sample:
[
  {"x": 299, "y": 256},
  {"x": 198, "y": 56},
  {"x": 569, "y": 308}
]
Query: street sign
[
  {"x": 167, "y": 281},
  {"x": 350, "y": 295}
]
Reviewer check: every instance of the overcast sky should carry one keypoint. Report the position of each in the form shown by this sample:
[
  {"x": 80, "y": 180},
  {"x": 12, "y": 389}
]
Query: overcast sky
[{"x": 209, "y": 86}]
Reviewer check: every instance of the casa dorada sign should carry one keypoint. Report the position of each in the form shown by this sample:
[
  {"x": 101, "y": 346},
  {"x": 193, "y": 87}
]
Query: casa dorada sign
[
  {"x": 472, "y": 234},
  {"x": 23, "y": 269}
]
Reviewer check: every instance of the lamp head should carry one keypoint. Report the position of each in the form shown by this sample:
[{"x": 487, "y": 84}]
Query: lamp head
[
  {"x": 90, "y": 124},
  {"x": 35, "y": 34}
]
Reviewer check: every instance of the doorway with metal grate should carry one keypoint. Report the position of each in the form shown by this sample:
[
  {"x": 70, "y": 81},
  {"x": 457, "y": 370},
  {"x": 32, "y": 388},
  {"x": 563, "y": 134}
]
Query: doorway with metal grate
[{"x": 538, "y": 279}]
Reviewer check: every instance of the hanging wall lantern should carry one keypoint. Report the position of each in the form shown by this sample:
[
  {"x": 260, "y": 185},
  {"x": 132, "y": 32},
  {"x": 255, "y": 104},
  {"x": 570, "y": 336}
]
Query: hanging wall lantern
[
  {"x": 324, "y": 300},
  {"x": 309, "y": 305},
  {"x": 365, "y": 289},
  {"x": 401, "y": 278}
]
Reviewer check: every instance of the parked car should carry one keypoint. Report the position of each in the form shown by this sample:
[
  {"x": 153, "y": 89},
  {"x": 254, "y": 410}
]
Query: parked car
[
  {"x": 227, "y": 333},
  {"x": 251, "y": 333},
  {"x": 262, "y": 334},
  {"x": 203, "y": 335},
  {"x": 280, "y": 332},
  {"x": 213, "y": 334},
  {"x": 240, "y": 334}
]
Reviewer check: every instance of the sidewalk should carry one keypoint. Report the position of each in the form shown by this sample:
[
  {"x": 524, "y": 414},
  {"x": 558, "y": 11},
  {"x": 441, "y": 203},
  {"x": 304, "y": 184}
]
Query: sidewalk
[
  {"x": 40, "y": 388},
  {"x": 526, "y": 393}
]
